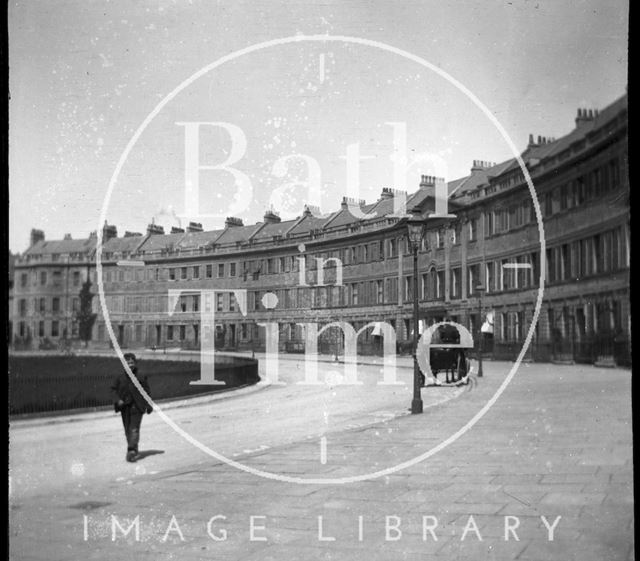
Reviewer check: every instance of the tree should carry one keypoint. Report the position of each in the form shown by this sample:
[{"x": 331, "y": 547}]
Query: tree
[{"x": 85, "y": 316}]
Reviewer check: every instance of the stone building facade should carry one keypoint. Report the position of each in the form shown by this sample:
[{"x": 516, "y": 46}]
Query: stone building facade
[{"x": 354, "y": 265}]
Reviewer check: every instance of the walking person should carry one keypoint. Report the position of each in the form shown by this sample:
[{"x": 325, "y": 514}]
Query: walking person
[{"x": 130, "y": 403}]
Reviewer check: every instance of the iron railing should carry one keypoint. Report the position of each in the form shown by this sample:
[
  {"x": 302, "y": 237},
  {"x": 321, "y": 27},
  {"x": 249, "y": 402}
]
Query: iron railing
[{"x": 40, "y": 384}]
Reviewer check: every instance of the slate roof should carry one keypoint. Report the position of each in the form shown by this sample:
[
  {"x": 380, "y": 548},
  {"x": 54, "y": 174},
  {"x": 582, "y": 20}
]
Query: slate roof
[
  {"x": 273, "y": 229},
  {"x": 310, "y": 222},
  {"x": 463, "y": 186},
  {"x": 127, "y": 244},
  {"x": 458, "y": 189},
  {"x": 342, "y": 218},
  {"x": 158, "y": 242},
  {"x": 235, "y": 234},
  {"x": 51, "y": 247},
  {"x": 194, "y": 240},
  {"x": 380, "y": 208}
]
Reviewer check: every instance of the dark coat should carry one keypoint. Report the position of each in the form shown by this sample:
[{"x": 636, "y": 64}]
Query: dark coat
[{"x": 123, "y": 389}]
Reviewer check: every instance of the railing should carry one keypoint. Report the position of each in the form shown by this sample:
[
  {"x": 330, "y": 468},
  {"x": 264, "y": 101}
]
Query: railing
[
  {"x": 594, "y": 350},
  {"x": 588, "y": 350},
  {"x": 40, "y": 384}
]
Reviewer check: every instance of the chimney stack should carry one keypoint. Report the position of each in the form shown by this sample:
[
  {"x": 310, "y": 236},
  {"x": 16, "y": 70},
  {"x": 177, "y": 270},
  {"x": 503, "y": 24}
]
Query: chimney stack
[
  {"x": 194, "y": 227},
  {"x": 36, "y": 236},
  {"x": 109, "y": 231},
  {"x": 232, "y": 221},
  {"x": 128, "y": 234},
  {"x": 271, "y": 217},
  {"x": 585, "y": 116},
  {"x": 67, "y": 237},
  {"x": 427, "y": 181},
  {"x": 386, "y": 194},
  {"x": 176, "y": 230},
  {"x": 428, "y": 185},
  {"x": 351, "y": 202},
  {"x": 479, "y": 165},
  {"x": 155, "y": 229}
]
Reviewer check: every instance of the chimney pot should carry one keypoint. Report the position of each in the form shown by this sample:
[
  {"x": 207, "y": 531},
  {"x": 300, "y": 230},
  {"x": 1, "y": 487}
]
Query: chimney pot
[{"x": 427, "y": 180}]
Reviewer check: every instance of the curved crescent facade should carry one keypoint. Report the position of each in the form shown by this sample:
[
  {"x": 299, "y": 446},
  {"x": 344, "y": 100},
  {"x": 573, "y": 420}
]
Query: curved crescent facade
[{"x": 359, "y": 270}]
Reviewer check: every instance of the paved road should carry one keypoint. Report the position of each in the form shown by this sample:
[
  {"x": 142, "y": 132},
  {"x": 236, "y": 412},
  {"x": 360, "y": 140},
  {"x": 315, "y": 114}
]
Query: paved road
[
  {"x": 50, "y": 455},
  {"x": 556, "y": 443}
]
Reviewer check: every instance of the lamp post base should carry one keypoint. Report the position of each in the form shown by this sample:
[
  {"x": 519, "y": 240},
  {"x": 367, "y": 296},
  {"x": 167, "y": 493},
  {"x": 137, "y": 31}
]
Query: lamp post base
[{"x": 416, "y": 406}]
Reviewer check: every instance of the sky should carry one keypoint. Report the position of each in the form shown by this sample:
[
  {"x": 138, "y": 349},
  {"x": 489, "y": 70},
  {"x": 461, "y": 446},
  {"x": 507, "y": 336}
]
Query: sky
[{"x": 304, "y": 122}]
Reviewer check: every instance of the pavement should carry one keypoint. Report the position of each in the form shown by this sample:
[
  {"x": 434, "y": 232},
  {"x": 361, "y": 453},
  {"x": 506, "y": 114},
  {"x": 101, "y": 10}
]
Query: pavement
[{"x": 545, "y": 473}]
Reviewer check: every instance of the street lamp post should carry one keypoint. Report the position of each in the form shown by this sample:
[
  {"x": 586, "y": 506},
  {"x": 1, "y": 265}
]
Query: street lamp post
[
  {"x": 572, "y": 320},
  {"x": 254, "y": 330},
  {"x": 416, "y": 227},
  {"x": 480, "y": 289}
]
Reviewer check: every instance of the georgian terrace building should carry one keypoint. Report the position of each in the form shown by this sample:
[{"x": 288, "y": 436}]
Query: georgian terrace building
[{"x": 357, "y": 268}]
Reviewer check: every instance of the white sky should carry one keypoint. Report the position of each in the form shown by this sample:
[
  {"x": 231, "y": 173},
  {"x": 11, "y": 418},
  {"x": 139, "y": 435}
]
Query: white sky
[{"x": 84, "y": 75}]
